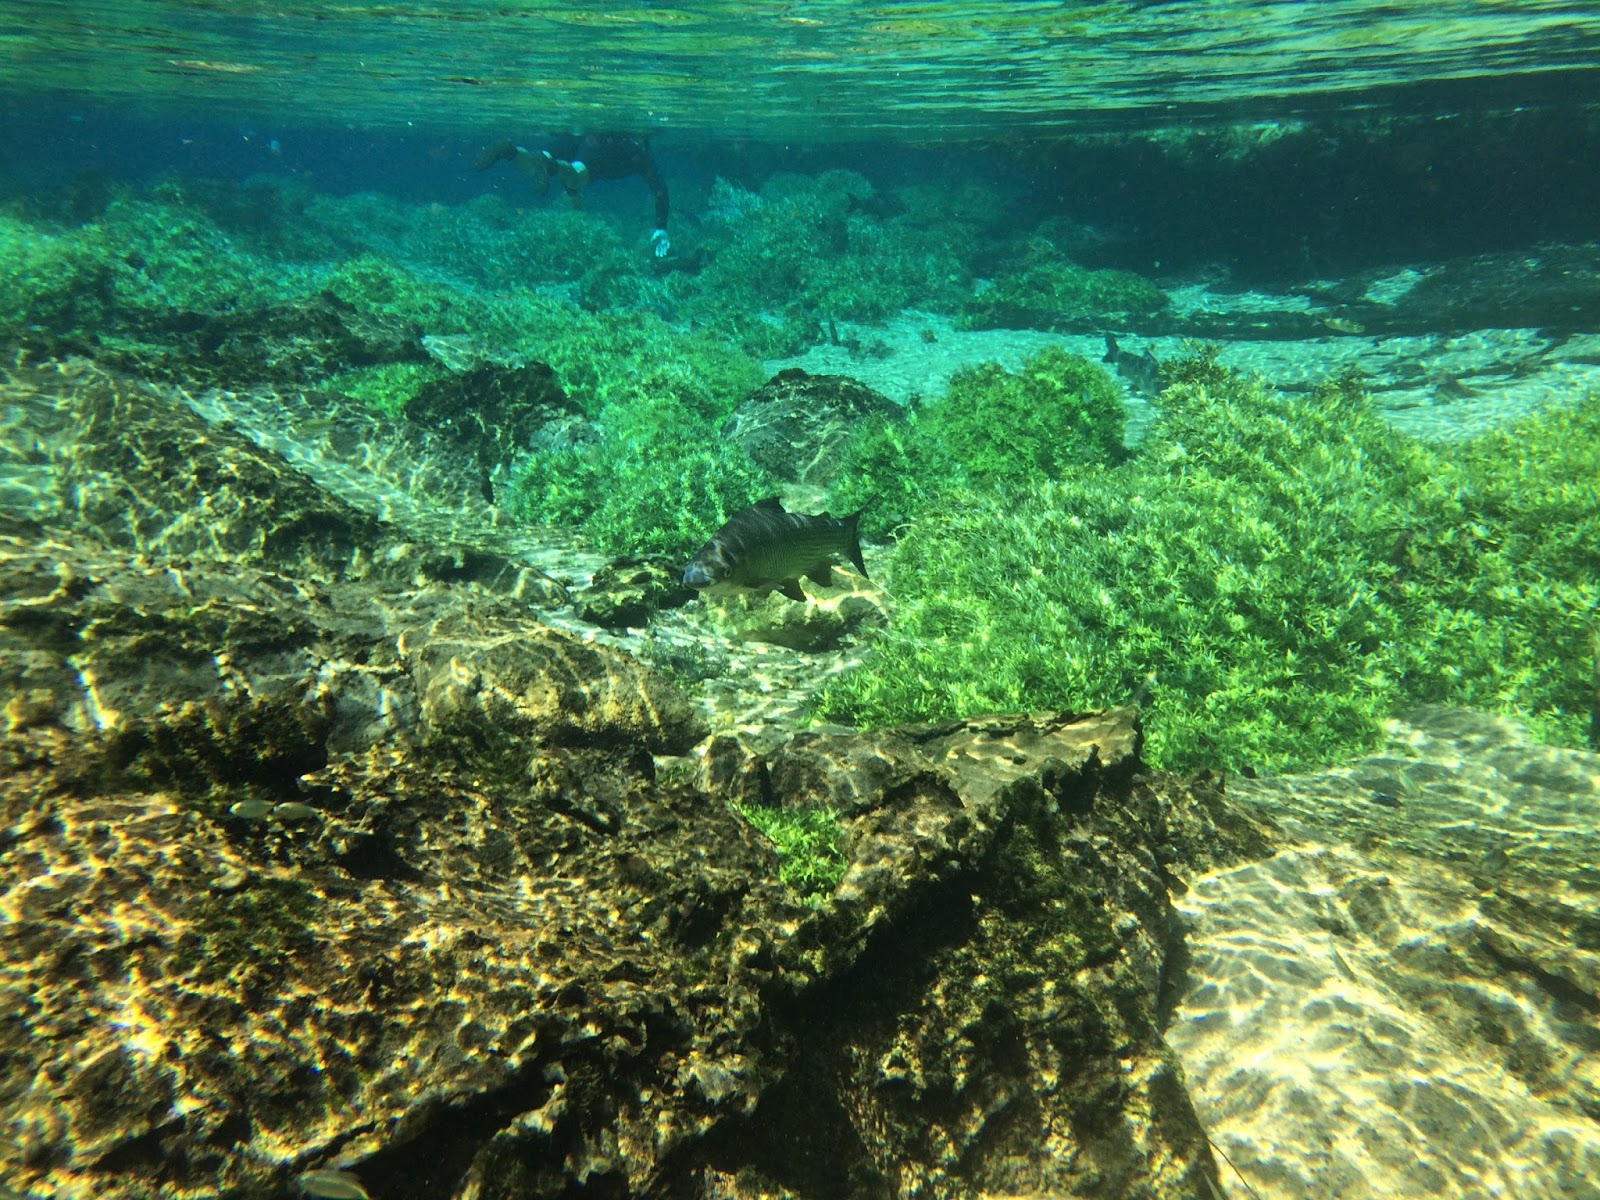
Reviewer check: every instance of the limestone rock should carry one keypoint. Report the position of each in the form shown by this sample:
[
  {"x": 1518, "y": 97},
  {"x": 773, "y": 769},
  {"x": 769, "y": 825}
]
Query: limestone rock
[
  {"x": 137, "y": 467},
  {"x": 314, "y": 861},
  {"x": 625, "y": 592},
  {"x": 828, "y": 615},
  {"x": 992, "y": 962},
  {"x": 503, "y": 682},
  {"x": 1404, "y": 1002},
  {"x": 490, "y": 410},
  {"x": 796, "y": 424}
]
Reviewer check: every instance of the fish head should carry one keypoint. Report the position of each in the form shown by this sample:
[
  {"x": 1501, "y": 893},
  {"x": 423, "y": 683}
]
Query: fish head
[{"x": 708, "y": 568}]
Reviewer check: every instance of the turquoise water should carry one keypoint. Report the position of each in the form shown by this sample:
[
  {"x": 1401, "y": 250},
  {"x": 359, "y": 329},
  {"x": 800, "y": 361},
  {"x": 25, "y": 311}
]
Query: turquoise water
[
  {"x": 823, "y": 70},
  {"x": 1216, "y": 385}
]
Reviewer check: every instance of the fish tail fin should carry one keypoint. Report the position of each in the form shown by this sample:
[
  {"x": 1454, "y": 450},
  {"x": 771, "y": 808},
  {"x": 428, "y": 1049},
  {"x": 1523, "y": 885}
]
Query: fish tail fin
[
  {"x": 852, "y": 525},
  {"x": 1112, "y": 349}
]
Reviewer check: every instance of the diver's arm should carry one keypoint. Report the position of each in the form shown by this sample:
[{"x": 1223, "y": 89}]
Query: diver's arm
[{"x": 651, "y": 174}]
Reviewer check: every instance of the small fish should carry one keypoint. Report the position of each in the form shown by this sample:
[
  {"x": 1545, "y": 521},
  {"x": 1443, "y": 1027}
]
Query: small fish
[
  {"x": 251, "y": 810},
  {"x": 1344, "y": 325},
  {"x": 325, "y": 1183},
  {"x": 763, "y": 548},
  {"x": 293, "y": 810},
  {"x": 1142, "y": 371}
]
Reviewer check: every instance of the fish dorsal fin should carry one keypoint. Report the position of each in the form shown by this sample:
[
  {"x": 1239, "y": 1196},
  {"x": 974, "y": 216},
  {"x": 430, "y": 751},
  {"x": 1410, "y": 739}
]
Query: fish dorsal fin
[{"x": 771, "y": 504}]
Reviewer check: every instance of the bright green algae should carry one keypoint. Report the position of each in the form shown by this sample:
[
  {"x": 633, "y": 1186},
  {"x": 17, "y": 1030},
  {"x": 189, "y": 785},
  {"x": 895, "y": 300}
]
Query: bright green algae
[{"x": 1285, "y": 571}]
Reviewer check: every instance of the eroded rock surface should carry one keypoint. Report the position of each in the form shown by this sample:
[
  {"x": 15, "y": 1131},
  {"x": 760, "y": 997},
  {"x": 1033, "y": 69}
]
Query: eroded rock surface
[
  {"x": 312, "y": 858},
  {"x": 797, "y": 424},
  {"x": 1407, "y": 1002}
]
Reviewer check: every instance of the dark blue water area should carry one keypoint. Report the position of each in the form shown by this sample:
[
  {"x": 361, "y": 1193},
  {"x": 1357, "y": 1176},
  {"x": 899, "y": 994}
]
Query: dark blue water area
[
  {"x": 1335, "y": 194},
  {"x": 46, "y": 147}
]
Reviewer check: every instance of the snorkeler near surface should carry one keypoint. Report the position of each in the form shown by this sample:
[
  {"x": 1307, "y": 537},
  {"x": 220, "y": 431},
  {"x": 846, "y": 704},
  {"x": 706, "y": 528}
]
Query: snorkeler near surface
[{"x": 578, "y": 158}]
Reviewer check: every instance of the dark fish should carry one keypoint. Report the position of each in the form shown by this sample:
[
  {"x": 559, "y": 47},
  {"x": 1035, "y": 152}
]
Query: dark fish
[
  {"x": 763, "y": 548},
  {"x": 1142, "y": 371}
]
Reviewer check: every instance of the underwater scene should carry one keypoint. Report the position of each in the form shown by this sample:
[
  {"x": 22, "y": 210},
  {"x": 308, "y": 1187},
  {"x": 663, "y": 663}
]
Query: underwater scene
[{"x": 799, "y": 601}]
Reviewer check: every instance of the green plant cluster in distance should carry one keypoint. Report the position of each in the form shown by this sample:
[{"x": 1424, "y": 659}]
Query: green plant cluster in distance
[
  {"x": 807, "y": 842},
  {"x": 782, "y": 262},
  {"x": 1057, "y": 294},
  {"x": 1289, "y": 570},
  {"x": 992, "y": 429}
]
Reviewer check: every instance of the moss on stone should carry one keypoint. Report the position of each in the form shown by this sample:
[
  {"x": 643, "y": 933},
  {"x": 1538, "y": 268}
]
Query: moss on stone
[{"x": 246, "y": 935}]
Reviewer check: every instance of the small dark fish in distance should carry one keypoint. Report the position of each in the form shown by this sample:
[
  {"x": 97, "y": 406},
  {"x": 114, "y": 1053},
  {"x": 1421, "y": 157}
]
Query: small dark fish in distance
[
  {"x": 763, "y": 548},
  {"x": 1142, "y": 371}
]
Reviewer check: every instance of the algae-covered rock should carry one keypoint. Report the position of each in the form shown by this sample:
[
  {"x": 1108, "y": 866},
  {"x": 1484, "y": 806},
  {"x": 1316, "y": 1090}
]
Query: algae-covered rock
[
  {"x": 797, "y": 424},
  {"x": 493, "y": 411},
  {"x": 316, "y": 867},
  {"x": 626, "y": 591},
  {"x": 991, "y": 962},
  {"x": 502, "y": 682},
  {"x": 139, "y": 467},
  {"x": 829, "y": 614},
  {"x": 1054, "y": 294}
]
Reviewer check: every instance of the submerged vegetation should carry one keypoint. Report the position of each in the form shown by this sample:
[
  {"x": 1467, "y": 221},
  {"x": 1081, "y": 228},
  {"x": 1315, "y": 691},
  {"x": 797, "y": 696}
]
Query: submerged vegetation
[
  {"x": 993, "y": 429},
  {"x": 1284, "y": 571},
  {"x": 807, "y": 842}
]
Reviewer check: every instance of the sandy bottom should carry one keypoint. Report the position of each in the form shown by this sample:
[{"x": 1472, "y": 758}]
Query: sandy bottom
[{"x": 1438, "y": 387}]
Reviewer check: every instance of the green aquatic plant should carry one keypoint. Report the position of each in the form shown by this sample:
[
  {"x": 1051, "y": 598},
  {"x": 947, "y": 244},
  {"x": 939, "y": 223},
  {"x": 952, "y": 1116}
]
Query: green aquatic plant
[
  {"x": 388, "y": 387},
  {"x": 655, "y": 480},
  {"x": 1499, "y": 569},
  {"x": 1057, "y": 412},
  {"x": 808, "y": 843},
  {"x": 1046, "y": 291},
  {"x": 993, "y": 428},
  {"x": 172, "y": 258},
  {"x": 781, "y": 263},
  {"x": 378, "y": 286},
  {"x": 1289, "y": 571},
  {"x": 53, "y": 281}
]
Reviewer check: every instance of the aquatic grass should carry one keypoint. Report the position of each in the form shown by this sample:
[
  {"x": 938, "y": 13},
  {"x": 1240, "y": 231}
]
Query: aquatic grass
[
  {"x": 1288, "y": 571},
  {"x": 388, "y": 387},
  {"x": 992, "y": 429},
  {"x": 807, "y": 842},
  {"x": 782, "y": 262},
  {"x": 53, "y": 280},
  {"x": 170, "y": 257},
  {"x": 1047, "y": 291},
  {"x": 655, "y": 480}
]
